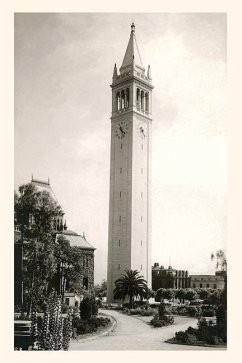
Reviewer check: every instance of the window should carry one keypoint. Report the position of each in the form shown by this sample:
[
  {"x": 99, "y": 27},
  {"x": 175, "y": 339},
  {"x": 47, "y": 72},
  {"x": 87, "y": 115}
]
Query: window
[
  {"x": 193, "y": 285},
  {"x": 119, "y": 242},
  {"x": 215, "y": 286},
  {"x": 85, "y": 283},
  {"x": 120, "y": 194},
  {"x": 141, "y": 194},
  {"x": 141, "y": 267},
  {"x": 141, "y": 218},
  {"x": 119, "y": 218},
  {"x": 201, "y": 285},
  {"x": 121, "y": 146},
  {"x": 121, "y": 170},
  {"x": 119, "y": 266},
  {"x": 141, "y": 243},
  {"x": 142, "y": 146},
  {"x": 141, "y": 170},
  {"x": 76, "y": 304},
  {"x": 67, "y": 301},
  {"x": 207, "y": 285}
]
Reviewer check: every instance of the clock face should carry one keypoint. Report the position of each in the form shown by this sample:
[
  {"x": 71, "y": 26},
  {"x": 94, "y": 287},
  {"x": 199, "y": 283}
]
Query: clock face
[
  {"x": 121, "y": 129},
  {"x": 141, "y": 130}
]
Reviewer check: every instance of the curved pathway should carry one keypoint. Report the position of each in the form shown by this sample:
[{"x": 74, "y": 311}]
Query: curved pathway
[{"x": 132, "y": 333}]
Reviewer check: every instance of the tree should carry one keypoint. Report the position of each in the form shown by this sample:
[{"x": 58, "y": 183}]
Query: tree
[
  {"x": 131, "y": 285},
  {"x": 69, "y": 265},
  {"x": 191, "y": 294},
  {"x": 180, "y": 294},
  {"x": 169, "y": 294},
  {"x": 160, "y": 294},
  {"x": 34, "y": 212}
]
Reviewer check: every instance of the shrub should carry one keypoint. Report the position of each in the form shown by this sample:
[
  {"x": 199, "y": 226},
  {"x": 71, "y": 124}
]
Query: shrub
[
  {"x": 214, "y": 340},
  {"x": 148, "y": 312},
  {"x": 64, "y": 308},
  {"x": 88, "y": 307},
  {"x": 174, "y": 310},
  {"x": 91, "y": 325},
  {"x": 191, "y": 330},
  {"x": 164, "y": 309},
  {"x": 185, "y": 337},
  {"x": 168, "y": 319},
  {"x": 194, "y": 310},
  {"x": 158, "y": 323},
  {"x": 209, "y": 312}
]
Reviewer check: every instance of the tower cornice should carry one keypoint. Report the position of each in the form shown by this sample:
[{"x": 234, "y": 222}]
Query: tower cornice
[{"x": 122, "y": 81}]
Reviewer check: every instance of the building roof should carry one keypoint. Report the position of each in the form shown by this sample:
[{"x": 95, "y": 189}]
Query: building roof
[
  {"x": 44, "y": 186},
  {"x": 132, "y": 54},
  {"x": 76, "y": 240}
]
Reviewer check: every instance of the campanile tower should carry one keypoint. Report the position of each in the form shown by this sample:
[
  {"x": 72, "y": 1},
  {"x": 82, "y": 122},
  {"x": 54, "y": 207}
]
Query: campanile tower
[{"x": 129, "y": 239}]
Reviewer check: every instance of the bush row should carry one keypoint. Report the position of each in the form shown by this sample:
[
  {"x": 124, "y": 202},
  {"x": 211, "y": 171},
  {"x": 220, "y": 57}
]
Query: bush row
[
  {"x": 194, "y": 311},
  {"x": 89, "y": 326}
]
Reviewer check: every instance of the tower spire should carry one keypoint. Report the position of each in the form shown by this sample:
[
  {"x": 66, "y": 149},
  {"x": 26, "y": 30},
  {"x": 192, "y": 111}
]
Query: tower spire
[
  {"x": 132, "y": 54},
  {"x": 115, "y": 73}
]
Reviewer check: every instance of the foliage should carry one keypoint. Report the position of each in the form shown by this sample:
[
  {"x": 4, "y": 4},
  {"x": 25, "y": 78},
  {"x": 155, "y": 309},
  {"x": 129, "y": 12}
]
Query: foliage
[
  {"x": 163, "y": 317},
  {"x": 52, "y": 332},
  {"x": 160, "y": 294},
  {"x": 164, "y": 309},
  {"x": 131, "y": 285},
  {"x": 69, "y": 264},
  {"x": 166, "y": 320},
  {"x": 101, "y": 289},
  {"x": 88, "y": 307},
  {"x": 208, "y": 311},
  {"x": 142, "y": 311},
  {"x": 90, "y": 325},
  {"x": 33, "y": 213},
  {"x": 194, "y": 310},
  {"x": 191, "y": 294},
  {"x": 185, "y": 337}
]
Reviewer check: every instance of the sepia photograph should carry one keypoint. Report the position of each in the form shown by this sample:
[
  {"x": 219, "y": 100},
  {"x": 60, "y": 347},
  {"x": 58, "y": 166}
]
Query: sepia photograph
[{"x": 120, "y": 181}]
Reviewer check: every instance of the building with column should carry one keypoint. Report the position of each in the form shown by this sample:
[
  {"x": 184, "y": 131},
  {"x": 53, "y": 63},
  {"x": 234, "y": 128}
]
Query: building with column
[
  {"x": 169, "y": 278},
  {"x": 129, "y": 236}
]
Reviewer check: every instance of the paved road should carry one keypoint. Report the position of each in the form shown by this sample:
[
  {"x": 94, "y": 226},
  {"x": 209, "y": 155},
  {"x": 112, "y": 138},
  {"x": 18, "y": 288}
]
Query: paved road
[{"x": 132, "y": 333}]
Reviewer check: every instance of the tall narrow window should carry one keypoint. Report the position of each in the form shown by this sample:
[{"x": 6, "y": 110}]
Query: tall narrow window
[
  {"x": 141, "y": 243},
  {"x": 121, "y": 146},
  {"x": 118, "y": 103},
  {"x": 121, "y": 170},
  {"x": 127, "y": 98},
  {"x": 142, "y": 146},
  {"x": 119, "y": 266},
  {"x": 146, "y": 102},
  {"x": 119, "y": 242},
  {"x": 141, "y": 218},
  {"x": 120, "y": 194},
  {"x": 122, "y": 100},
  {"x": 142, "y": 100},
  {"x": 141, "y": 267},
  {"x": 141, "y": 194},
  {"x": 119, "y": 218},
  {"x": 141, "y": 170}
]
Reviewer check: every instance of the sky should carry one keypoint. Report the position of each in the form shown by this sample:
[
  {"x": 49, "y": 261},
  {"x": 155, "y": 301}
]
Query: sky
[{"x": 63, "y": 71}]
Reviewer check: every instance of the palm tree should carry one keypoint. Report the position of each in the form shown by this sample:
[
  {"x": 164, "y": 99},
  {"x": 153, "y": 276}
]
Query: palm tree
[{"x": 130, "y": 284}]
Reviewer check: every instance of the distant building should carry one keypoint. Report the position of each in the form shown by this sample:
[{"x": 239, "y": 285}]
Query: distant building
[
  {"x": 208, "y": 281},
  {"x": 169, "y": 278}
]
